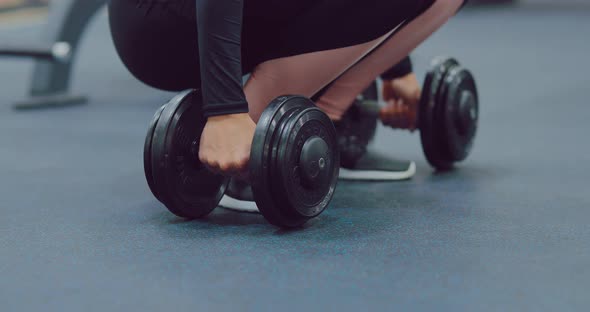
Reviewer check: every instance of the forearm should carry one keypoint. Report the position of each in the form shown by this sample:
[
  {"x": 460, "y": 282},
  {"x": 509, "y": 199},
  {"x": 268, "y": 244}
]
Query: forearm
[
  {"x": 219, "y": 24},
  {"x": 401, "y": 69}
]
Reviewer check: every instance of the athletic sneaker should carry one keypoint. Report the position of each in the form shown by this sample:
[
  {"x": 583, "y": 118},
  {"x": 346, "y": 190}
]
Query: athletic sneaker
[{"x": 371, "y": 167}]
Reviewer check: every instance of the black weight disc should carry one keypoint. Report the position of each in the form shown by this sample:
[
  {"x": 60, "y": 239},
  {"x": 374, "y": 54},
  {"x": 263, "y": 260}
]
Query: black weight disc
[
  {"x": 357, "y": 127},
  {"x": 182, "y": 183},
  {"x": 147, "y": 152},
  {"x": 372, "y": 92},
  {"x": 369, "y": 121},
  {"x": 429, "y": 111},
  {"x": 294, "y": 162},
  {"x": 306, "y": 162},
  {"x": 460, "y": 113}
]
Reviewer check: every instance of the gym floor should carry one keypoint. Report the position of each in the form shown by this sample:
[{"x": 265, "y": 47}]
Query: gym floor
[{"x": 507, "y": 231}]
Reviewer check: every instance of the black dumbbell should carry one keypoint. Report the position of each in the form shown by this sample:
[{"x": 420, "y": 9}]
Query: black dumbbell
[
  {"x": 57, "y": 52},
  {"x": 293, "y": 169},
  {"x": 447, "y": 116}
]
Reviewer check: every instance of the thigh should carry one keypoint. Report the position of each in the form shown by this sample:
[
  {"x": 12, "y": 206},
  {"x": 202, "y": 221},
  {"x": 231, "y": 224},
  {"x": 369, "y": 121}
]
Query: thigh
[
  {"x": 157, "y": 41},
  {"x": 304, "y": 26}
]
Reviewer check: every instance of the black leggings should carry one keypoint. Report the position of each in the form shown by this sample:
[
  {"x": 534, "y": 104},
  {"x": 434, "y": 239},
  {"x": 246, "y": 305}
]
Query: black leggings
[{"x": 157, "y": 40}]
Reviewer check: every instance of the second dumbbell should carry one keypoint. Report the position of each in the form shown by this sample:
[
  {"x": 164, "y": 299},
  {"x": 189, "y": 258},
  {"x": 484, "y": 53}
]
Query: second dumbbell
[{"x": 448, "y": 113}]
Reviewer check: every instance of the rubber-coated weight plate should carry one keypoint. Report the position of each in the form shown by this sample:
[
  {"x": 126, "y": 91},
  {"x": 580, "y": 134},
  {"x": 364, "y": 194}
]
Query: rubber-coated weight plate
[
  {"x": 357, "y": 127},
  {"x": 429, "y": 110},
  {"x": 372, "y": 92},
  {"x": 147, "y": 152},
  {"x": 271, "y": 118},
  {"x": 286, "y": 193},
  {"x": 182, "y": 183},
  {"x": 368, "y": 120},
  {"x": 461, "y": 113},
  {"x": 306, "y": 163}
]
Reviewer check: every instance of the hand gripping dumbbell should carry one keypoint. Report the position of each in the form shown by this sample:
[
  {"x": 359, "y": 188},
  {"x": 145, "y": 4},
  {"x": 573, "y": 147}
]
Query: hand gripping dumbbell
[
  {"x": 293, "y": 169},
  {"x": 447, "y": 115}
]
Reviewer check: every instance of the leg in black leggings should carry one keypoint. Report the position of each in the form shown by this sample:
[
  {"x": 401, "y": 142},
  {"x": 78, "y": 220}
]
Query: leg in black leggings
[{"x": 157, "y": 40}]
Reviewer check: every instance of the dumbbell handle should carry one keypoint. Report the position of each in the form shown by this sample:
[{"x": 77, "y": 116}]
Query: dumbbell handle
[
  {"x": 369, "y": 107},
  {"x": 57, "y": 52},
  {"x": 372, "y": 108}
]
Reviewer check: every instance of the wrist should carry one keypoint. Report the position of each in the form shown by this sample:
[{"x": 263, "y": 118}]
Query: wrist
[{"x": 228, "y": 117}]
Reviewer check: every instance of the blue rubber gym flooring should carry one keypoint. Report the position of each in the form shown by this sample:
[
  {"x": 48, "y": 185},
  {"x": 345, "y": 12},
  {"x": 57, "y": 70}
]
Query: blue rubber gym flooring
[{"x": 508, "y": 231}]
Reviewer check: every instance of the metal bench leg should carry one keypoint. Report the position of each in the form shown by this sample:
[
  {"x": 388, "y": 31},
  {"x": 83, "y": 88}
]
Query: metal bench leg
[{"x": 51, "y": 80}]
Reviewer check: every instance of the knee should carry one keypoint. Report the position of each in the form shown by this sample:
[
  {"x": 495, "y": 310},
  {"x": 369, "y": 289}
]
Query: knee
[
  {"x": 464, "y": 2},
  {"x": 445, "y": 7},
  {"x": 142, "y": 43}
]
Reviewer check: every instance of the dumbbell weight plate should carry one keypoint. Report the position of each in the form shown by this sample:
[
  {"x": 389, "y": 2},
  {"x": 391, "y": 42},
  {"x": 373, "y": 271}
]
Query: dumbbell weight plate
[
  {"x": 429, "y": 111},
  {"x": 182, "y": 183},
  {"x": 358, "y": 126},
  {"x": 147, "y": 152},
  {"x": 371, "y": 94},
  {"x": 294, "y": 161},
  {"x": 460, "y": 113}
]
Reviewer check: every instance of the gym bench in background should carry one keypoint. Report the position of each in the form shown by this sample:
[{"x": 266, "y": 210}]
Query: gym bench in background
[{"x": 54, "y": 54}]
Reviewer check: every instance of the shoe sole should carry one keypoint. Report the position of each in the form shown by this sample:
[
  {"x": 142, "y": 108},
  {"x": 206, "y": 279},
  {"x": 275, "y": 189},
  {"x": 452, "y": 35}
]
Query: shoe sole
[
  {"x": 231, "y": 203},
  {"x": 377, "y": 175}
]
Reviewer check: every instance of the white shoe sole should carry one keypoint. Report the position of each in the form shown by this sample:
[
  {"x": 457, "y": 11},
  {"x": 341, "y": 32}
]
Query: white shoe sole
[
  {"x": 238, "y": 205},
  {"x": 377, "y": 175}
]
